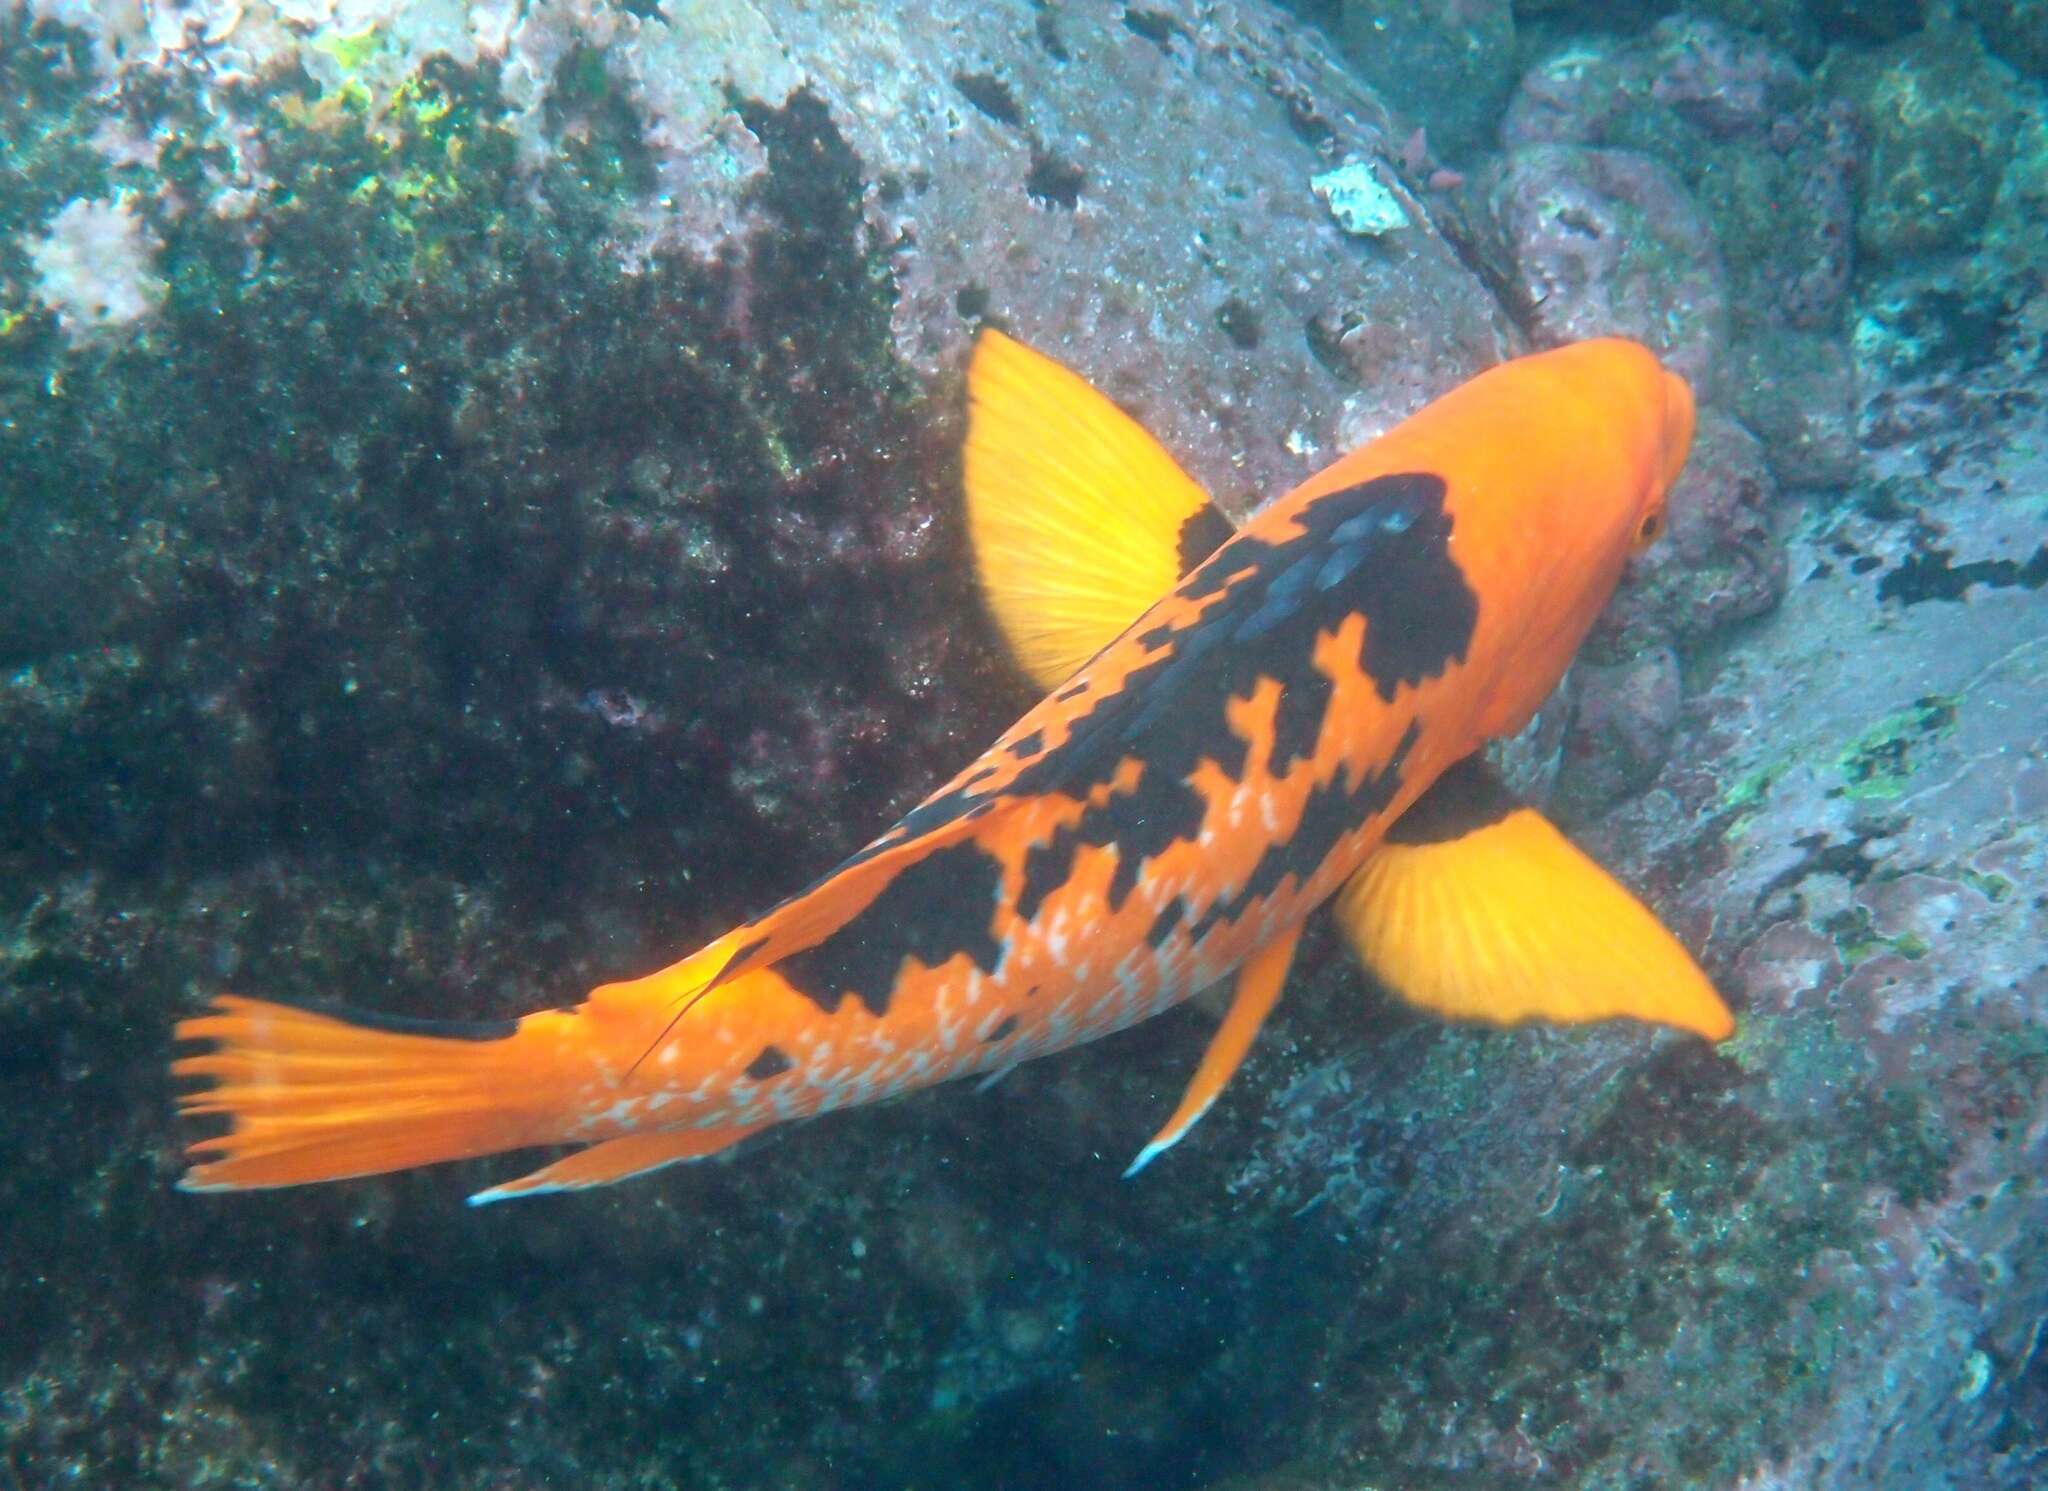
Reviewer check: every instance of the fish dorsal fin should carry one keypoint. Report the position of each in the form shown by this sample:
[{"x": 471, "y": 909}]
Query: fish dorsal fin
[
  {"x": 1476, "y": 908},
  {"x": 1079, "y": 520}
]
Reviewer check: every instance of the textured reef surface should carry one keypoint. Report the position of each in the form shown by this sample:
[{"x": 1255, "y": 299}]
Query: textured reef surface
[{"x": 478, "y": 515}]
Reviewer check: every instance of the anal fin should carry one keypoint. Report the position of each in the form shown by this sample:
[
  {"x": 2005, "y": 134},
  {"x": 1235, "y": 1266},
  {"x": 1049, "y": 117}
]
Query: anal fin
[
  {"x": 1476, "y": 908},
  {"x": 618, "y": 1159},
  {"x": 1259, "y": 981}
]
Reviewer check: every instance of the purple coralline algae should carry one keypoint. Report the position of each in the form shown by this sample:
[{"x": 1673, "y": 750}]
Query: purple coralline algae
[
  {"x": 1765, "y": 162},
  {"x": 1771, "y": 161},
  {"x": 1624, "y": 719},
  {"x": 1608, "y": 242}
]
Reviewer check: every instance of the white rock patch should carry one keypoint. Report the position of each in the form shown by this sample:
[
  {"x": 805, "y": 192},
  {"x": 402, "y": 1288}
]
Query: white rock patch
[{"x": 96, "y": 268}]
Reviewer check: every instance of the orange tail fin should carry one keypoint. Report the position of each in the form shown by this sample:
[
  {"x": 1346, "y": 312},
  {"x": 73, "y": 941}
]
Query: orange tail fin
[{"x": 323, "y": 1096}]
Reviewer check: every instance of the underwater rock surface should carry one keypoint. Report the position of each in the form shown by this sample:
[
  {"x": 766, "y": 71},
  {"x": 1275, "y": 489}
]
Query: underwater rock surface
[
  {"x": 478, "y": 517},
  {"x": 1816, "y": 1256}
]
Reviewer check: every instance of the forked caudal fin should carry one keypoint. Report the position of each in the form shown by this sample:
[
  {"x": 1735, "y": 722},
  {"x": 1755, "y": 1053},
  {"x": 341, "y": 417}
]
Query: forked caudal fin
[{"x": 313, "y": 1095}]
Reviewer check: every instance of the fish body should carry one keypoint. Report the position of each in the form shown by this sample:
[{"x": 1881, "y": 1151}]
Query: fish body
[{"x": 1214, "y": 763}]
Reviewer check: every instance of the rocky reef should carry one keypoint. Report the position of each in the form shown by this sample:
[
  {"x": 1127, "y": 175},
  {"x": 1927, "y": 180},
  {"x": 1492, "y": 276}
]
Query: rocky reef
[{"x": 479, "y": 515}]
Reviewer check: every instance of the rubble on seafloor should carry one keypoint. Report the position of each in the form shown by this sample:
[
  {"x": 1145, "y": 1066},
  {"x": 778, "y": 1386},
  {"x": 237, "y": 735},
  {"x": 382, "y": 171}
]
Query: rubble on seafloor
[{"x": 479, "y": 517}]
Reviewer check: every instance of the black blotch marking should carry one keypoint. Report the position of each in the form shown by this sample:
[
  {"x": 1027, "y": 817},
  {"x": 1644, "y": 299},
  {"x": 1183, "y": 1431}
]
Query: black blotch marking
[
  {"x": 772, "y": 1062},
  {"x": 991, "y": 95},
  {"x": 1298, "y": 720},
  {"x": 1054, "y": 180},
  {"x": 1028, "y": 745},
  {"x": 1002, "y": 1032},
  {"x": 1863, "y": 564},
  {"x": 1380, "y": 548},
  {"x": 1205, "y": 531},
  {"x": 1046, "y": 869},
  {"x": 933, "y": 909},
  {"x": 1332, "y": 811},
  {"x": 1170, "y": 916},
  {"x": 1935, "y": 577},
  {"x": 450, "y": 1030},
  {"x": 1466, "y": 798}
]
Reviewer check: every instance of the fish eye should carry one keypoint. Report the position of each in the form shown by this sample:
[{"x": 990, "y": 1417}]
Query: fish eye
[{"x": 1650, "y": 529}]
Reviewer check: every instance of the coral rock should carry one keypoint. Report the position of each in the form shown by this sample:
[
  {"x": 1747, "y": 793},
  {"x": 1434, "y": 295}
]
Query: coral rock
[{"x": 1608, "y": 242}]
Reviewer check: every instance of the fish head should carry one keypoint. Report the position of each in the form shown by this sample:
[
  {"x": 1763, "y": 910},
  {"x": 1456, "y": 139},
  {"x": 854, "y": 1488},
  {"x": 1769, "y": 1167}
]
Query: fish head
[
  {"x": 1618, "y": 427},
  {"x": 1559, "y": 468},
  {"x": 1624, "y": 424},
  {"x": 1596, "y": 474}
]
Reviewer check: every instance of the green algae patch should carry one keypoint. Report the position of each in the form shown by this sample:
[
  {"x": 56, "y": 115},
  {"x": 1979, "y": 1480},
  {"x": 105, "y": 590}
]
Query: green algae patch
[
  {"x": 1748, "y": 790},
  {"x": 1941, "y": 116},
  {"x": 1744, "y": 799},
  {"x": 351, "y": 51},
  {"x": 1856, "y": 938},
  {"x": 1754, "y": 1045},
  {"x": 1879, "y": 764},
  {"x": 1989, "y": 884}
]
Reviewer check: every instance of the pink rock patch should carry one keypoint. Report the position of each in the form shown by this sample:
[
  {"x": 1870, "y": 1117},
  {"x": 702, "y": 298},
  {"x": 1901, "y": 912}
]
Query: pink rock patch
[{"x": 1609, "y": 243}]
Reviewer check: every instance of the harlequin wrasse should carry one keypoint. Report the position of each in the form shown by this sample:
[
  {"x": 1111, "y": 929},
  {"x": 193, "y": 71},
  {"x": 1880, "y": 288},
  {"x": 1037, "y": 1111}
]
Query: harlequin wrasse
[{"x": 1240, "y": 726}]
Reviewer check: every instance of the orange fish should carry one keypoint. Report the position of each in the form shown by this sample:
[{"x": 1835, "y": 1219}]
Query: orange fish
[{"x": 1241, "y": 726}]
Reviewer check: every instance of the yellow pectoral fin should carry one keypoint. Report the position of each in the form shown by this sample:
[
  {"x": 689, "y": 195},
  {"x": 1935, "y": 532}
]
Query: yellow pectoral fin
[
  {"x": 1259, "y": 981},
  {"x": 618, "y": 1159},
  {"x": 1476, "y": 908},
  {"x": 1078, "y": 519}
]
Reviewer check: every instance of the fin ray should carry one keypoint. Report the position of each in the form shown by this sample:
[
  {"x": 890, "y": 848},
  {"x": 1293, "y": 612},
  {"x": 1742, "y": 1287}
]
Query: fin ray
[
  {"x": 614, "y": 1160},
  {"x": 1477, "y": 908},
  {"x": 313, "y": 1094},
  {"x": 1260, "y": 978}
]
